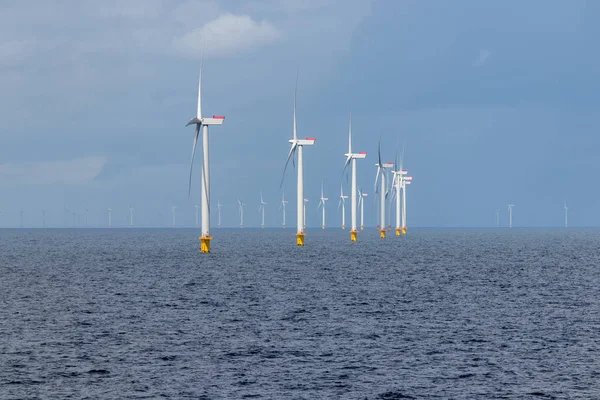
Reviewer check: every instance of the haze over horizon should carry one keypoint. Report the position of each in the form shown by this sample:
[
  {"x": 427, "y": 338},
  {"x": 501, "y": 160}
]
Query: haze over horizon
[{"x": 497, "y": 103}]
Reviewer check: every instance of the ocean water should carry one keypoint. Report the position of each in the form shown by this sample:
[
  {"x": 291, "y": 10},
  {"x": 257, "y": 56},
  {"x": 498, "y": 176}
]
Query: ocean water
[{"x": 448, "y": 313}]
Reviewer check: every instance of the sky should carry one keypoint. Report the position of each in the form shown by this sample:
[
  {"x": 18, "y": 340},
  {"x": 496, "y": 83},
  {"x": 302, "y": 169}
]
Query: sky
[{"x": 495, "y": 102}]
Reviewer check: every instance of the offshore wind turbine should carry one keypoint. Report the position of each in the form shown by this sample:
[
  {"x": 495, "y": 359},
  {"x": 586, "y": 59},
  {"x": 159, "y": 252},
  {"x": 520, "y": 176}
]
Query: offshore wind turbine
[
  {"x": 566, "y": 215},
  {"x": 398, "y": 185},
  {"x": 497, "y": 217},
  {"x": 219, "y": 205},
  {"x": 261, "y": 209},
  {"x": 361, "y": 204},
  {"x": 351, "y": 158},
  {"x": 406, "y": 180},
  {"x": 510, "y": 206},
  {"x": 21, "y": 218},
  {"x": 241, "y": 211},
  {"x": 297, "y": 147},
  {"x": 342, "y": 203},
  {"x": 304, "y": 212},
  {"x": 197, "y": 207},
  {"x": 381, "y": 168},
  {"x": 43, "y": 218},
  {"x": 282, "y": 206},
  {"x": 131, "y": 208},
  {"x": 322, "y": 201},
  {"x": 173, "y": 209},
  {"x": 109, "y": 217},
  {"x": 203, "y": 123}
]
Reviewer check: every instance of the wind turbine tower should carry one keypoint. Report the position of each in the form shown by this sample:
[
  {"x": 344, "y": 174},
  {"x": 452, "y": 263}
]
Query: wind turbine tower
[
  {"x": 282, "y": 207},
  {"x": 203, "y": 123},
  {"x": 342, "y": 203},
  {"x": 43, "y": 218},
  {"x": 131, "y": 208},
  {"x": 241, "y": 209},
  {"x": 261, "y": 209},
  {"x": 219, "y": 205},
  {"x": 109, "y": 217},
  {"x": 297, "y": 145},
  {"x": 510, "y": 207},
  {"x": 381, "y": 168},
  {"x": 322, "y": 201},
  {"x": 406, "y": 180},
  {"x": 173, "y": 211},
  {"x": 566, "y": 215},
  {"x": 361, "y": 204},
  {"x": 497, "y": 217},
  {"x": 21, "y": 218},
  {"x": 351, "y": 158}
]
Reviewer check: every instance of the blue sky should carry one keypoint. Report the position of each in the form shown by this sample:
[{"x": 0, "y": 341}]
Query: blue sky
[{"x": 496, "y": 101}]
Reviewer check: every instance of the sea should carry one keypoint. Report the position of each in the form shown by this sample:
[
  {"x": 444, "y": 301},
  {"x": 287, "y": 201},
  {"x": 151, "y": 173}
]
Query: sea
[{"x": 436, "y": 314}]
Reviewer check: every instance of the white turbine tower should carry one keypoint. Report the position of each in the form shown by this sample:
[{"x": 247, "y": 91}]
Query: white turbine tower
[
  {"x": 110, "y": 217},
  {"x": 131, "y": 208},
  {"x": 203, "y": 123},
  {"x": 241, "y": 211},
  {"x": 282, "y": 206},
  {"x": 342, "y": 203},
  {"x": 510, "y": 206},
  {"x": 406, "y": 180},
  {"x": 173, "y": 212},
  {"x": 261, "y": 209},
  {"x": 351, "y": 158},
  {"x": 398, "y": 187},
  {"x": 196, "y": 207},
  {"x": 298, "y": 146},
  {"x": 497, "y": 217},
  {"x": 361, "y": 204},
  {"x": 381, "y": 168},
  {"x": 219, "y": 205},
  {"x": 43, "y": 218},
  {"x": 566, "y": 215},
  {"x": 322, "y": 201}
]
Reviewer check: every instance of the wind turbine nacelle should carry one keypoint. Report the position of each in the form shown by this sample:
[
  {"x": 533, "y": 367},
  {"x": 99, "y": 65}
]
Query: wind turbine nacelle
[
  {"x": 215, "y": 120},
  {"x": 404, "y": 172},
  {"x": 365, "y": 194},
  {"x": 388, "y": 165},
  {"x": 362, "y": 154},
  {"x": 306, "y": 142},
  {"x": 408, "y": 178}
]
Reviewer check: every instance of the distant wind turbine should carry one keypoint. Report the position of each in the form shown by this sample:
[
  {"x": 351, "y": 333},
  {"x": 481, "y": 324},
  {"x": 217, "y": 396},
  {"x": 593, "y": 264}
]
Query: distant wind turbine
[
  {"x": 566, "y": 215},
  {"x": 497, "y": 217},
  {"x": 261, "y": 209},
  {"x": 241, "y": 210},
  {"x": 351, "y": 158},
  {"x": 203, "y": 123},
  {"x": 342, "y": 203},
  {"x": 86, "y": 217},
  {"x": 321, "y": 205},
  {"x": 361, "y": 204},
  {"x": 298, "y": 146},
  {"x": 381, "y": 168},
  {"x": 173, "y": 209},
  {"x": 219, "y": 205},
  {"x": 131, "y": 208},
  {"x": 109, "y": 217},
  {"x": 43, "y": 218},
  {"x": 21, "y": 218},
  {"x": 282, "y": 207},
  {"x": 510, "y": 207}
]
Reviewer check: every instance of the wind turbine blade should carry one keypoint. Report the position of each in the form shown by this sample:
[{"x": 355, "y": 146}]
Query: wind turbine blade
[
  {"x": 295, "y": 92},
  {"x": 290, "y": 154},
  {"x": 199, "y": 111},
  {"x": 192, "y": 162},
  {"x": 377, "y": 179}
]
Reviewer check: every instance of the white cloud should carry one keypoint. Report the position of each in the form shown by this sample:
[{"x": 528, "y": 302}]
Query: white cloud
[
  {"x": 72, "y": 172},
  {"x": 226, "y": 35}
]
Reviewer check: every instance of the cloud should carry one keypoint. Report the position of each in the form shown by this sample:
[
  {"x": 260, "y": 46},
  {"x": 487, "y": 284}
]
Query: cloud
[
  {"x": 226, "y": 35},
  {"x": 484, "y": 55},
  {"x": 73, "y": 172}
]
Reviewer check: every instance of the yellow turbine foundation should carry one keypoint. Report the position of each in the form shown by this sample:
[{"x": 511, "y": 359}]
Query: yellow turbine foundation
[
  {"x": 205, "y": 244},
  {"x": 398, "y": 231},
  {"x": 382, "y": 233},
  {"x": 404, "y": 230},
  {"x": 354, "y": 235},
  {"x": 323, "y": 226},
  {"x": 362, "y": 227},
  {"x": 300, "y": 239}
]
